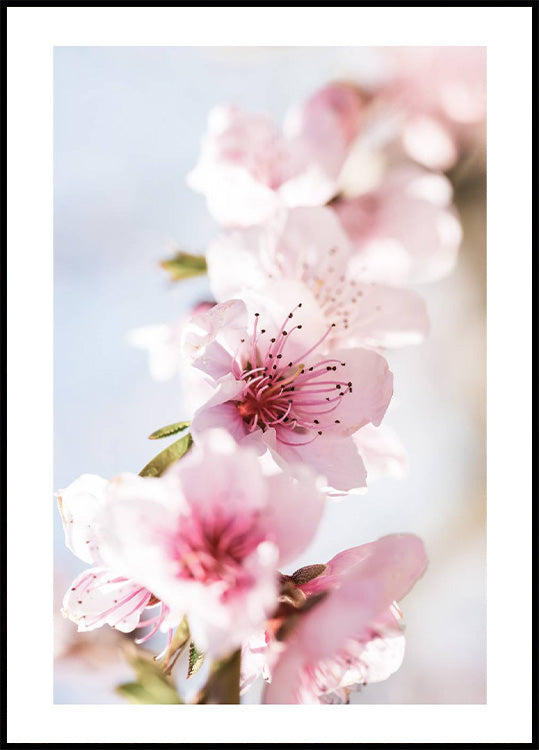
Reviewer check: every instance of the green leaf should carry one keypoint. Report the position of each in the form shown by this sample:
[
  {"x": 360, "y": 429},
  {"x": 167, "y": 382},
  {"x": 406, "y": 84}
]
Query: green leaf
[
  {"x": 223, "y": 684},
  {"x": 151, "y": 685},
  {"x": 184, "y": 265},
  {"x": 170, "y": 455},
  {"x": 196, "y": 660},
  {"x": 168, "y": 430},
  {"x": 152, "y": 691},
  {"x": 178, "y": 644}
]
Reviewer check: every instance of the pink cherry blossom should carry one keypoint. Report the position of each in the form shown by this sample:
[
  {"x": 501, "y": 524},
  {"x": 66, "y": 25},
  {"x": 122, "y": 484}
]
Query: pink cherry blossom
[
  {"x": 352, "y": 636},
  {"x": 278, "y": 388},
  {"x": 101, "y": 594},
  {"x": 248, "y": 167},
  {"x": 255, "y": 658},
  {"x": 310, "y": 246},
  {"x": 336, "y": 106},
  {"x": 440, "y": 93},
  {"x": 211, "y": 543},
  {"x": 405, "y": 231}
]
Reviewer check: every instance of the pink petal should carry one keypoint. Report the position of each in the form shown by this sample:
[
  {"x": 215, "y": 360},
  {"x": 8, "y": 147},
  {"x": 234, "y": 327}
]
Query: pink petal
[
  {"x": 98, "y": 597},
  {"x": 337, "y": 568},
  {"x": 137, "y": 518},
  {"x": 254, "y": 655},
  {"x": 80, "y": 505},
  {"x": 311, "y": 186},
  {"x": 286, "y": 679},
  {"x": 293, "y": 496},
  {"x": 234, "y": 262},
  {"x": 380, "y": 658},
  {"x": 351, "y": 562},
  {"x": 371, "y": 391},
  {"x": 320, "y": 132},
  {"x": 221, "y": 411},
  {"x": 236, "y": 198},
  {"x": 305, "y": 239},
  {"x": 386, "y": 317},
  {"x": 220, "y": 475},
  {"x": 332, "y": 457},
  {"x": 210, "y": 338},
  {"x": 382, "y": 452},
  {"x": 340, "y": 104}
]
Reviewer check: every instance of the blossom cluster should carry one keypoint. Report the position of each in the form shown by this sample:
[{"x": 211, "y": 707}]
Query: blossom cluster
[{"x": 313, "y": 279}]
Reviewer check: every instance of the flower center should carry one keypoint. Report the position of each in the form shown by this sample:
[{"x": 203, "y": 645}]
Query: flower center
[
  {"x": 289, "y": 396},
  {"x": 213, "y": 548}
]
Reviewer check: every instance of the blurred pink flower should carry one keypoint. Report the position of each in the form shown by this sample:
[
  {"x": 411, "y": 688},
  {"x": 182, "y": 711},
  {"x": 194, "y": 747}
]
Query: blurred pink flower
[
  {"x": 102, "y": 594},
  {"x": 382, "y": 451},
  {"x": 310, "y": 246},
  {"x": 352, "y": 636},
  {"x": 162, "y": 341},
  {"x": 441, "y": 95},
  {"x": 210, "y": 544},
  {"x": 277, "y": 388},
  {"x": 405, "y": 231},
  {"x": 248, "y": 168}
]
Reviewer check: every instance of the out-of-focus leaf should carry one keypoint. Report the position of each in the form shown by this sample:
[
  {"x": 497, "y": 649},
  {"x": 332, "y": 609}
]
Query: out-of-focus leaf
[
  {"x": 151, "y": 685},
  {"x": 196, "y": 660},
  {"x": 168, "y": 430},
  {"x": 153, "y": 691},
  {"x": 170, "y": 455},
  {"x": 184, "y": 265},
  {"x": 223, "y": 684},
  {"x": 178, "y": 644}
]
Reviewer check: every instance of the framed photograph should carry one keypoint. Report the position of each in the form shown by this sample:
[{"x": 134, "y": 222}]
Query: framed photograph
[{"x": 248, "y": 340}]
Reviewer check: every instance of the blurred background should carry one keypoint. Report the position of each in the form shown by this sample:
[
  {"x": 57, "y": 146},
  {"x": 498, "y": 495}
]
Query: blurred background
[{"x": 128, "y": 123}]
